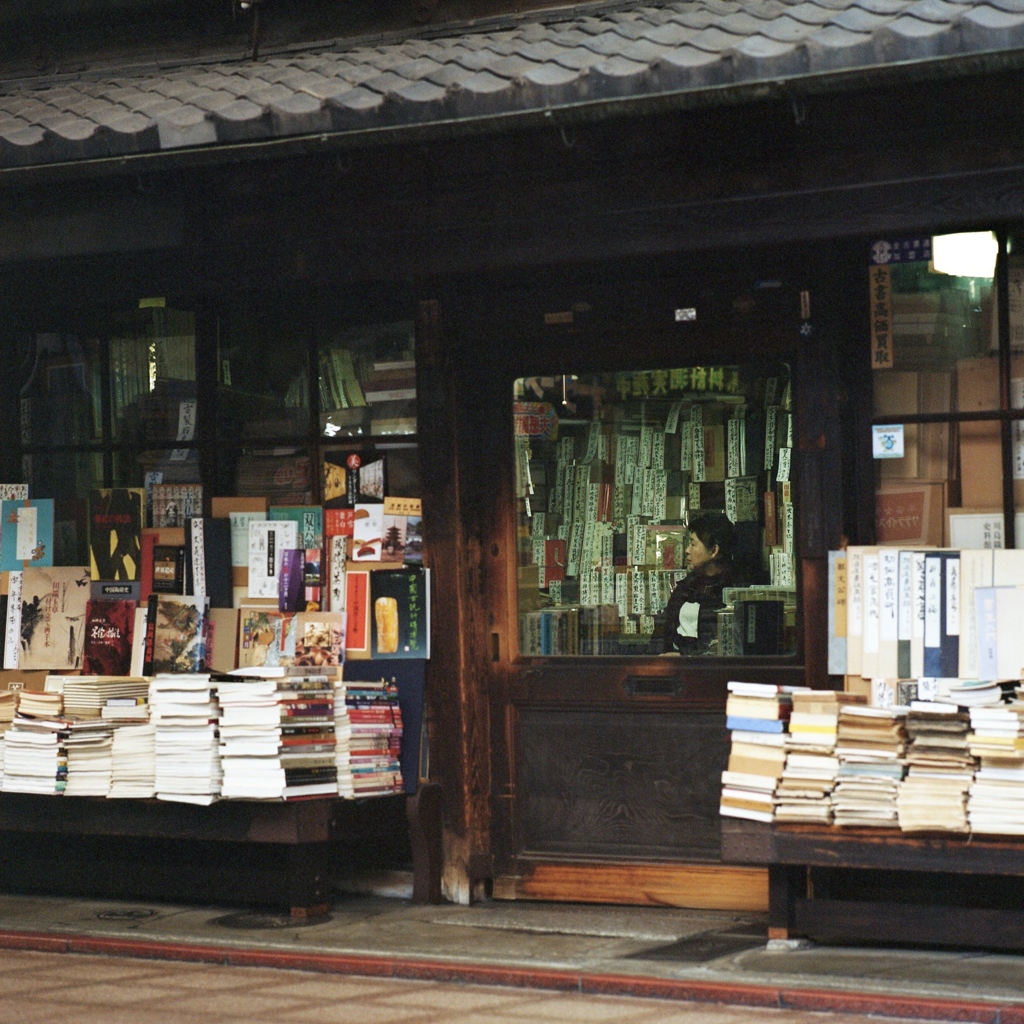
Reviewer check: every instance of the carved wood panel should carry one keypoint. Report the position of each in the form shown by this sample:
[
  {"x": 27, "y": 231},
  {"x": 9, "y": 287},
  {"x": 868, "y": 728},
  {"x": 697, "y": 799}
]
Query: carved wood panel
[{"x": 621, "y": 783}]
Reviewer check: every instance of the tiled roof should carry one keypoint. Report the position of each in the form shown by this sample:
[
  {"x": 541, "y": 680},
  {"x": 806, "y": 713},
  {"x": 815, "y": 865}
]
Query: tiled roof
[{"x": 624, "y": 51}]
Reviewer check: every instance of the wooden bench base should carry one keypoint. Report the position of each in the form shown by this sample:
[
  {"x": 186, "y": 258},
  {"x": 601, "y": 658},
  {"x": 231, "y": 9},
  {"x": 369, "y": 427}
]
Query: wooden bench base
[{"x": 808, "y": 864}]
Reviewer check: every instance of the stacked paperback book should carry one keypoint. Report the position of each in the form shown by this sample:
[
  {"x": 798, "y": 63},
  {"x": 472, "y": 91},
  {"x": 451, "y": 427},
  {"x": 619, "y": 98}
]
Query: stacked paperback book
[
  {"x": 376, "y": 737},
  {"x": 133, "y": 762},
  {"x": 804, "y": 792},
  {"x": 35, "y": 751},
  {"x": 756, "y": 715},
  {"x": 277, "y": 737},
  {"x": 89, "y": 747},
  {"x": 184, "y": 710},
  {"x": 939, "y": 769},
  {"x": 996, "y": 799},
  {"x": 870, "y": 745}
]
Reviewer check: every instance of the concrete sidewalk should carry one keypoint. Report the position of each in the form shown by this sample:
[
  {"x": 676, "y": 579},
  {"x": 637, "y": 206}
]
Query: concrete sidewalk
[{"x": 705, "y": 956}]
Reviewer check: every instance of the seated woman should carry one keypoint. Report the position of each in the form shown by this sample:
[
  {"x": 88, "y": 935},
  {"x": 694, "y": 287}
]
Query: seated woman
[{"x": 691, "y": 619}]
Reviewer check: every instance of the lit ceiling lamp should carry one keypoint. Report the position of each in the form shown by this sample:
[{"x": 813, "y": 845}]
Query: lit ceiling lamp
[{"x": 968, "y": 254}]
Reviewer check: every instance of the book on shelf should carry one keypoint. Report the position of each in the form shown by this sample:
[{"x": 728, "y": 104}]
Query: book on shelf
[
  {"x": 26, "y": 533},
  {"x": 109, "y": 631},
  {"x": 175, "y": 634},
  {"x": 267, "y": 541},
  {"x": 308, "y": 519},
  {"x": 53, "y": 617},
  {"x": 168, "y": 569},
  {"x": 208, "y": 560},
  {"x": 115, "y": 533},
  {"x": 400, "y": 621},
  {"x": 174, "y": 503}
]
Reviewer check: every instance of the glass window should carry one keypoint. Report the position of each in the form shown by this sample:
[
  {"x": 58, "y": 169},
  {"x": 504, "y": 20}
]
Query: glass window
[
  {"x": 263, "y": 348},
  {"x": 367, "y": 380},
  {"x": 935, "y": 362},
  {"x": 655, "y": 512}
]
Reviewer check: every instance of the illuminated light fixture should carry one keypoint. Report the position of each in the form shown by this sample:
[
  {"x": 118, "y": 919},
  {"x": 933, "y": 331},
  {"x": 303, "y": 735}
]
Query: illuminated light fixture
[{"x": 968, "y": 254}]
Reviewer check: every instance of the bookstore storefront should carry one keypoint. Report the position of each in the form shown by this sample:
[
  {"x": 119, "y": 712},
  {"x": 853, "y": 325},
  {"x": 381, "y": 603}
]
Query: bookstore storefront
[{"x": 557, "y": 406}]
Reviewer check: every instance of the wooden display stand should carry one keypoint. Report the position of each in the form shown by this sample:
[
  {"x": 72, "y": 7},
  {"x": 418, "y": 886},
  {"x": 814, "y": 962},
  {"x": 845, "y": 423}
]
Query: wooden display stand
[
  {"x": 302, "y": 829},
  {"x": 799, "y": 907}
]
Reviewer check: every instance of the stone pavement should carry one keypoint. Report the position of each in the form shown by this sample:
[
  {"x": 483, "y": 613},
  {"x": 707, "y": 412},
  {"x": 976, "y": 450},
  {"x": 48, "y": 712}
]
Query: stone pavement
[
  {"x": 642, "y": 954},
  {"x": 76, "y": 989}
]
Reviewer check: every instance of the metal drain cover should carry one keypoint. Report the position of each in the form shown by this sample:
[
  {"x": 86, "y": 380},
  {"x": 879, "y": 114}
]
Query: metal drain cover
[
  {"x": 701, "y": 948},
  {"x": 255, "y": 921},
  {"x": 126, "y": 915}
]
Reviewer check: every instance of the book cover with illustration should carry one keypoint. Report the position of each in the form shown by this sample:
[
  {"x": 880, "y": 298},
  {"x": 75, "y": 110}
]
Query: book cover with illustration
[
  {"x": 175, "y": 634},
  {"x": 115, "y": 533},
  {"x": 400, "y": 613},
  {"x": 174, "y": 503},
  {"x": 315, "y": 640},
  {"x": 26, "y": 533},
  {"x": 54, "y": 600},
  {"x": 259, "y": 637},
  {"x": 351, "y": 478},
  {"x": 109, "y": 631}
]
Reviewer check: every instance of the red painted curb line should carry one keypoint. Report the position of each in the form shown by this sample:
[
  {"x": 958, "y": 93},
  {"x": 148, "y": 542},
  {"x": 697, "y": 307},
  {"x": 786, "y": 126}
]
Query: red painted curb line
[{"x": 965, "y": 1011}]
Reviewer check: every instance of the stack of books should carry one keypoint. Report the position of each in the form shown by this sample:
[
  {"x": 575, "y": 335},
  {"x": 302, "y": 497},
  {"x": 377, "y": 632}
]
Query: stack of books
[
  {"x": 995, "y": 802},
  {"x": 8, "y": 706},
  {"x": 376, "y": 722},
  {"x": 90, "y": 757},
  {"x": 940, "y": 769},
  {"x": 126, "y": 709},
  {"x": 250, "y": 739},
  {"x": 756, "y": 715},
  {"x": 804, "y": 793},
  {"x": 277, "y": 737},
  {"x": 307, "y": 735},
  {"x": 814, "y": 720},
  {"x": 184, "y": 711},
  {"x": 133, "y": 762},
  {"x": 86, "y": 696},
  {"x": 870, "y": 745},
  {"x": 35, "y": 756},
  {"x": 343, "y": 743}
]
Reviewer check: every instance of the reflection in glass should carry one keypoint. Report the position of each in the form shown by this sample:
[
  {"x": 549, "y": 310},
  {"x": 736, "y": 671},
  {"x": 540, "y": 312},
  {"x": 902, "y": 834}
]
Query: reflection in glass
[
  {"x": 655, "y": 512},
  {"x": 368, "y": 381},
  {"x": 153, "y": 375},
  {"x": 60, "y": 394}
]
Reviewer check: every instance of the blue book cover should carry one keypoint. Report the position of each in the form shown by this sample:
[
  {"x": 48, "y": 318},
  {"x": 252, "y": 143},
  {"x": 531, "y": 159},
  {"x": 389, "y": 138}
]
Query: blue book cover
[
  {"x": 742, "y": 724},
  {"x": 26, "y": 534}
]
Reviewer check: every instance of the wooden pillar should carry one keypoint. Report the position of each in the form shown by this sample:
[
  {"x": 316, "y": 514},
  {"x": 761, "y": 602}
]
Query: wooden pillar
[{"x": 458, "y": 669}]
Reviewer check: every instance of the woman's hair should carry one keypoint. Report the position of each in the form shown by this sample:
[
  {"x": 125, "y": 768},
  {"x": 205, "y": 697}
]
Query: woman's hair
[{"x": 713, "y": 528}]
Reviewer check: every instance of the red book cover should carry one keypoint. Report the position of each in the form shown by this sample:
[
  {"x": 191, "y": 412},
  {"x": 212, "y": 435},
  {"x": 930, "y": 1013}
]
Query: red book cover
[
  {"x": 338, "y": 522},
  {"x": 108, "y": 638},
  {"x": 146, "y": 577},
  {"x": 771, "y": 523}
]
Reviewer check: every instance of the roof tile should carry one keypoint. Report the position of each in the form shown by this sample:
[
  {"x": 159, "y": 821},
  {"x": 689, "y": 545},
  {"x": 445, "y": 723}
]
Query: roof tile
[
  {"x": 210, "y": 101},
  {"x": 187, "y": 126},
  {"x": 299, "y": 114},
  {"x": 450, "y": 74},
  {"x": 417, "y": 69},
  {"x": 986, "y": 28},
  {"x": 742, "y": 23},
  {"x": 645, "y": 51},
  {"x": 240, "y": 121},
  {"x": 670, "y": 34},
  {"x": 617, "y": 76},
  {"x": 579, "y": 58},
  {"x": 357, "y": 108},
  {"x": 760, "y": 57},
  {"x": 909, "y": 38},
  {"x": 264, "y": 94},
  {"x": 810, "y": 13},
  {"x": 691, "y": 68},
  {"x": 385, "y": 83},
  {"x": 786, "y": 30},
  {"x": 934, "y": 10},
  {"x": 512, "y": 67},
  {"x": 856, "y": 19},
  {"x": 833, "y": 48},
  {"x": 714, "y": 40}
]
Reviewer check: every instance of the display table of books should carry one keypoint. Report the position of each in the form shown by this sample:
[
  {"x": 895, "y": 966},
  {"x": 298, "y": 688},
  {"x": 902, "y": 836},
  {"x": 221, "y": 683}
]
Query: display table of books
[
  {"x": 886, "y": 823},
  {"x": 932, "y": 887},
  {"x": 264, "y": 760}
]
